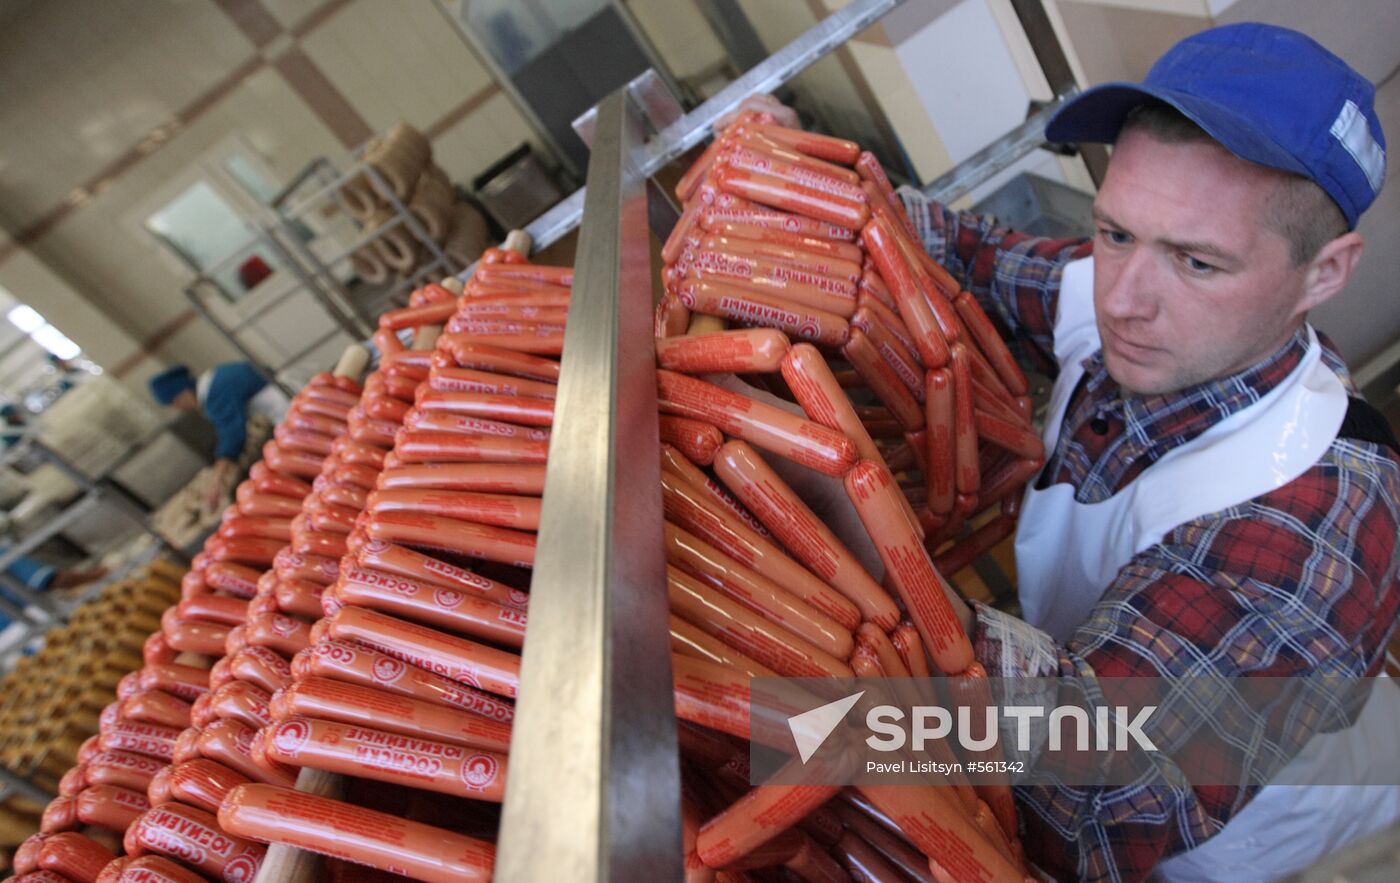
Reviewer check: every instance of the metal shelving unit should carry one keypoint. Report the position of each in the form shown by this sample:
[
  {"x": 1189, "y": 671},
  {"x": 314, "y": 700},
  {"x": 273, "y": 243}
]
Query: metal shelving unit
[
  {"x": 280, "y": 232},
  {"x": 40, "y": 612}
]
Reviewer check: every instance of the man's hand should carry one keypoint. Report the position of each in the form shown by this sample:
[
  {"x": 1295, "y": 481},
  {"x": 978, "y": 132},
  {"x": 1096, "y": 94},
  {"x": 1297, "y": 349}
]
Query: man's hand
[
  {"x": 761, "y": 102},
  {"x": 219, "y": 482}
]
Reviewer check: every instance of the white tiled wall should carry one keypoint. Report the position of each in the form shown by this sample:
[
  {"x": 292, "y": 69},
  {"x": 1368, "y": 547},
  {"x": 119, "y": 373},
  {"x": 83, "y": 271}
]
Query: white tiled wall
[
  {"x": 290, "y": 13},
  {"x": 84, "y": 80},
  {"x": 680, "y": 33},
  {"x": 428, "y": 72},
  {"x": 124, "y": 270},
  {"x": 469, "y": 147}
]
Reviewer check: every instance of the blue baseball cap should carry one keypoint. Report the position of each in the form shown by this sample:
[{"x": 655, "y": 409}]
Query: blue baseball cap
[
  {"x": 1267, "y": 94},
  {"x": 169, "y": 383}
]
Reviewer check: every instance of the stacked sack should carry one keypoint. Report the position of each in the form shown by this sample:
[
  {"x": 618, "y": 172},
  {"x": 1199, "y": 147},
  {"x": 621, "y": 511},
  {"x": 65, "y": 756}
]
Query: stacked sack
[
  {"x": 798, "y": 241},
  {"x": 403, "y": 159},
  {"x": 50, "y": 701}
]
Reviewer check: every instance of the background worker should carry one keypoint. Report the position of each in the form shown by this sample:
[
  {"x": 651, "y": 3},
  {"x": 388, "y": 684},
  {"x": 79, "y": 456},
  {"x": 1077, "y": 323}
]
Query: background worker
[{"x": 225, "y": 394}]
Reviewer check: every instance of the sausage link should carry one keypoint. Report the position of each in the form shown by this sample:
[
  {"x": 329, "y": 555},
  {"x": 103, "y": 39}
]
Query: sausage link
[
  {"x": 219, "y": 609},
  {"x": 260, "y": 667},
  {"x": 786, "y": 195},
  {"x": 711, "y": 694},
  {"x": 741, "y": 301},
  {"x": 156, "y": 707},
  {"x": 941, "y": 456},
  {"x": 753, "y": 215},
  {"x": 993, "y": 348},
  {"x": 745, "y": 351},
  {"x": 696, "y": 512},
  {"x": 61, "y": 814},
  {"x": 803, "y": 534},
  {"x": 182, "y": 681},
  {"x": 74, "y": 856},
  {"x": 243, "y": 702},
  {"x": 758, "y": 423},
  {"x": 376, "y": 839},
  {"x": 315, "y": 568},
  {"x": 155, "y": 869},
  {"x": 695, "y": 439},
  {"x": 464, "y": 661},
  {"x": 281, "y": 634},
  {"x": 389, "y": 757},
  {"x": 203, "y": 783},
  {"x": 450, "y": 609},
  {"x": 1008, "y": 435},
  {"x": 883, "y": 244},
  {"x": 404, "y": 562},
  {"x": 883, "y": 380},
  {"x": 260, "y": 505},
  {"x": 230, "y": 743},
  {"x": 892, "y": 349},
  {"x": 757, "y": 817},
  {"x": 267, "y": 481},
  {"x": 920, "y": 586},
  {"x": 942, "y": 832},
  {"x": 345, "y": 703},
  {"x": 814, "y": 244},
  {"x": 472, "y": 380},
  {"x": 888, "y": 842},
  {"x": 252, "y": 551},
  {"x": 194, "y": 837},
  {"x": 458, "y": 537},
  {"x": 524, "y": 410},
  {"x": 755, "y": 592},
  {"x": 110, "y": 807},
  {"x": 470, "y": 353},
  {"x": 673, "y": 461},
  {"x": 464, "y": 424},
  {"x": 354, "y": 664},
  {"x": 691, "y": 640},
  {"x": 747, "y": 632}
]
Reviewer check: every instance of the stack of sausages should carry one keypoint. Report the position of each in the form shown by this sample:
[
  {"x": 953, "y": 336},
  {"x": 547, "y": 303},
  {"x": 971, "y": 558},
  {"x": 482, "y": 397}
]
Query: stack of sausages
[
  {"x": 794, "y": 265},
  {"x": 779, "y": 231},
  {"x": 410, "y": 675}
]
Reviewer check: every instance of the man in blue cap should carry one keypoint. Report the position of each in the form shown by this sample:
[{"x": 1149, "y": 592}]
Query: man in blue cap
[
  {"x": 1218, "y": 503},
  {"x": 225, "y": 393}
]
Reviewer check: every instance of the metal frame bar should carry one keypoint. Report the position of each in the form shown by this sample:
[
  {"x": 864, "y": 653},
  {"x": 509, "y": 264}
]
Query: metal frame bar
[
  {"x": 819, "y": 40},
  {"x": 594, "y": 770},
  {"x": 995, "y": 157}
]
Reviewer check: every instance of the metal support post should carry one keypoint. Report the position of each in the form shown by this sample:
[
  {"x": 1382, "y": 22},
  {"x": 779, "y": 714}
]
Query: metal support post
[{"x": 593, "y": 793}]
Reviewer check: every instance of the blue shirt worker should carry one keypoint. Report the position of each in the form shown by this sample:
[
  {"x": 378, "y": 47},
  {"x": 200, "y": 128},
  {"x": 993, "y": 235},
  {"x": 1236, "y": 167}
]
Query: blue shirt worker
[{"x": 225, "y": 394}]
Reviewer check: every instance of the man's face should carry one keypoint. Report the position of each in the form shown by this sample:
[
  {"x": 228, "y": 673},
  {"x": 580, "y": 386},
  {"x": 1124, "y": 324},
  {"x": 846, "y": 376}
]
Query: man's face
[{"x": 1189, "y": 283}]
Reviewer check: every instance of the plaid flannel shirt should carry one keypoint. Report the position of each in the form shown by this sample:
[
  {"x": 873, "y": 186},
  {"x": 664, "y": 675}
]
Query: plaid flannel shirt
[{"x": 1219, "y": 595}]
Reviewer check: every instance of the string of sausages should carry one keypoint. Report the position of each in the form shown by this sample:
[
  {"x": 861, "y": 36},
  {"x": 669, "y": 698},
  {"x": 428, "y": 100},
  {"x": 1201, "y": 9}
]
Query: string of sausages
[{"x": 794, "y": 265}]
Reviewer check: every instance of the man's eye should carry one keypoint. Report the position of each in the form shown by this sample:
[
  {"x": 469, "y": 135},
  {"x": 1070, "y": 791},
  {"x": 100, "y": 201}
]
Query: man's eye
[
  {"x": 1117, "y": 237},
  {"x": 1197, "y": 266}
]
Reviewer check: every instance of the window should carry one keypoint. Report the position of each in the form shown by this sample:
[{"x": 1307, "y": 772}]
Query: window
[
  {"x": 28, "y": 320},
  {"x": 207, "y": 231}
]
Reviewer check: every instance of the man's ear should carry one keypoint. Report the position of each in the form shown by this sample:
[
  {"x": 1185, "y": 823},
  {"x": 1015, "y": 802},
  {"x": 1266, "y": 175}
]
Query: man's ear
[{"x": 1329, "y": 270}]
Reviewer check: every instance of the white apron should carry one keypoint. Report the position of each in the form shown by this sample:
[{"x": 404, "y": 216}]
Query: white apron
[{"x": 1068, "y": 552}]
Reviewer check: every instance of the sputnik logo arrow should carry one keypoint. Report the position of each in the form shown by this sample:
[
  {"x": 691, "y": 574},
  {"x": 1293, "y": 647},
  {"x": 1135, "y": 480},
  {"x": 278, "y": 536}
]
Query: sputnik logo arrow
[{"x": 810, "y": 728}]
